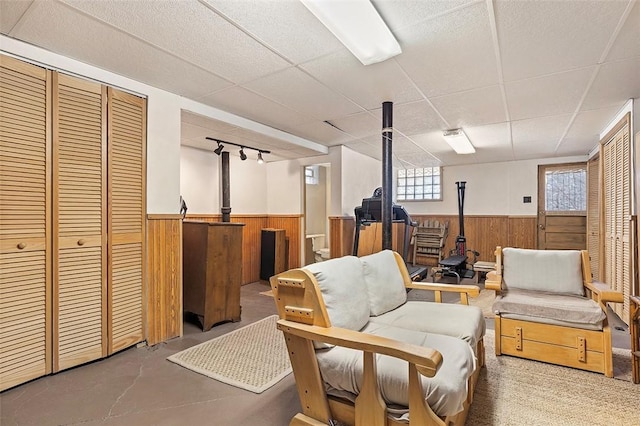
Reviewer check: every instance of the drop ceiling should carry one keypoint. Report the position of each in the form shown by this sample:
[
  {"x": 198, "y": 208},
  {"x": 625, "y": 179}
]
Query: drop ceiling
[{"x": 525, "y": 79}]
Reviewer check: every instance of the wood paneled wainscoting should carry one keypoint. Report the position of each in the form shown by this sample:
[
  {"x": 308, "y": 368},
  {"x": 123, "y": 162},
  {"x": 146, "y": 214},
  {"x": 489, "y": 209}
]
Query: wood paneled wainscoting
[
  {"x": 483, "y": 234},
  {"x": 164, "y": 288},
  {"x": 251, "y": 234}
]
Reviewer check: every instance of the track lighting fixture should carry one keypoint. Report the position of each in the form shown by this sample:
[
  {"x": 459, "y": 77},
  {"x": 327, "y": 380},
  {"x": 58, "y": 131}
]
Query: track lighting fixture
[
  {"x": 219, "y": 149},
  {"x": 243, "y": 155}
]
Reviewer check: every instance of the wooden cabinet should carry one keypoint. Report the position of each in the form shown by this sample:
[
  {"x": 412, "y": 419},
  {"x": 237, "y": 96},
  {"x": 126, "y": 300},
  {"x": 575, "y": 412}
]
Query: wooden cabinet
[
  {"x": 212, "y": 271},
  {"x": 72, "y": 220}
]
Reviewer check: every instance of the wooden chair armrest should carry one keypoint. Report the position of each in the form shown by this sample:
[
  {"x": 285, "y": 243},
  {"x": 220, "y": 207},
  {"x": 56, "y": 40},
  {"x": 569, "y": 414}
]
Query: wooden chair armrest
[
  {"x": 604, "y": 293},
  {"x": 493, "y": 281},
  {"x": 427, "y": 360},
  {"x": 463, "y": 290}
]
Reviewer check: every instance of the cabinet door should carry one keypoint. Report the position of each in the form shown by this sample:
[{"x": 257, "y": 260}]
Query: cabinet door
[
  {"x": 127, "y": 145},
  {"x": 25, "y": 134},
  {"x": 79, "y": 221}
]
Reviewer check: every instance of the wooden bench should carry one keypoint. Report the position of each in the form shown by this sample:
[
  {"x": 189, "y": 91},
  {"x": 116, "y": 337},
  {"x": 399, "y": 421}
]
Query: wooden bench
[
  {"x": 634, "y": 328},
  {"x": 483, "y": 267}
]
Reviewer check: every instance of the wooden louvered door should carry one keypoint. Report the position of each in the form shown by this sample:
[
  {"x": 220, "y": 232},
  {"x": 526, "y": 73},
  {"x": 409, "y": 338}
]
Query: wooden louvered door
[
  {"x": 593, "y": 215},
  {"x": 79, "y": 221},
  {"x": 617, "y": 262},
  {"x": 127, "y": 148},
  {"x": 25, "y": 161}
]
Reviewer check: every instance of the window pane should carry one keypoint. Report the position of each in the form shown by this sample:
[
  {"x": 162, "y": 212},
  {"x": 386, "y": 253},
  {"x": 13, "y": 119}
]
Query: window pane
[
  {"x": 436, "y": 179},
  {"x": 566, "y": 190},
  {"x": 402, "y": 182},
  {"x": 401, "y": 190},
  {"x": 402, "y": 173},
  {"x": 436, "y": 190},
  {"x": 419, "y": 180},
  {"x": 419, "y": 172},
  {"x": 409, "y": 197},
  {"x": 409, "y": 189},
  {"x": 410, "y": 182},
  {"x": 419, "y": 190},
  {"x": 410, "y": 172}
]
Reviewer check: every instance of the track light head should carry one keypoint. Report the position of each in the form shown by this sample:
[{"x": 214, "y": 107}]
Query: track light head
[
  {"x": 243, "y": 156},
  {"x": 260, "y": 160},
  {"x": 219, "y": 149}
]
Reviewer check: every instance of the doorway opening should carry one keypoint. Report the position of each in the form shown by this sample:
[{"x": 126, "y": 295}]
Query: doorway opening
[{"x": 317, "y": 205}]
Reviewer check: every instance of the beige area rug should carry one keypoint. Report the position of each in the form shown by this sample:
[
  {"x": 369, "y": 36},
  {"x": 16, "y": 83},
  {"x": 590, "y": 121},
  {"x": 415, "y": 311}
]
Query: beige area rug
[
  {"x": 254, "y": 357},
  {"x": 484, "y": 301},
  {"x": 514, "y": 391}
]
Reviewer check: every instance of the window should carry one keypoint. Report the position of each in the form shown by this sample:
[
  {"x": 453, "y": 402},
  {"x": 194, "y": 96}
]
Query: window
[
  {"x": 566, "y": 189},
  {"x": 419, "y": 184},
  {"x": 311, "y": 175}
]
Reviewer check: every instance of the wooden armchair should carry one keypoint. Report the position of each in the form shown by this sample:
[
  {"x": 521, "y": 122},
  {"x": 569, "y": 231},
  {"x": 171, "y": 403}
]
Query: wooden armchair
[
  {"x": 316, "y": 308},
  {"x": 549, "y": 309},
  {"x": 428, "y": 240}
]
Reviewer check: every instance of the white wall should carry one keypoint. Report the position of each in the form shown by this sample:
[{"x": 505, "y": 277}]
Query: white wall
[
  {"x": 248, "y": 184},
  {"x": 163, "y": 121},
  {"x": 491, "y": 189},
  {"x": 199, "y": 180},
  {"x": 361, "y": 175}
]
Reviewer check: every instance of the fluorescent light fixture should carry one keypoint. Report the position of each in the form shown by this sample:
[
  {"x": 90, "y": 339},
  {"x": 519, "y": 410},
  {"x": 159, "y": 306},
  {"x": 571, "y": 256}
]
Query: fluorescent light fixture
[
  {"x": 458, "y": 141},
  {"x": 357, "y": 24}
]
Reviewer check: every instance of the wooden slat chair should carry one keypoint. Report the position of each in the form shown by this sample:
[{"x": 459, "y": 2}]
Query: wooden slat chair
[
  {"x": 311, "y": 311},
  {"x": 549, "y": 309},
  {"x": 428, "y": 240}
]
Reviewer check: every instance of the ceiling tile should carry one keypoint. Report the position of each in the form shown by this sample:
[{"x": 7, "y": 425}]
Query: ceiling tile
[
  {"x": 368, "y": 86},
  {"x": 245, "y": 103},
  {"x": 538, "y": 37},
  {"x": 404, "y": 13},
  {"x": 549, "y": 95},
  {"x": 616, "y": 83},
  {"x": 472, "y": 108},
  {"x": 537, "y": 137},
  {"x": 286, "y": 26},
  {"x": 414, "y": 118},
  {"x": 10, "y": 13},
  {"x": 303, "y": 93},
  {"x": 627, "y": 44},
  {"x": 584, "y": 133},
  {"x": 365, "y": 149},
  {"x": 206, "y": 122},
  {"x": 320, "y": 132},
  {"x": 491, "y": 136},
  {"x": 450, "y": 54},
  {"x": 359, "y": 125},
  {"x": 206, "y": 43},
  {"x": 63, "y": 30}
]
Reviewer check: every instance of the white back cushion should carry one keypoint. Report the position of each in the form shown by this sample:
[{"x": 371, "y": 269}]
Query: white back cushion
[
  {"x": 556, "y": 271},
  {"x": 344, "y": 292},
  {"x": 385, "y": 285}
]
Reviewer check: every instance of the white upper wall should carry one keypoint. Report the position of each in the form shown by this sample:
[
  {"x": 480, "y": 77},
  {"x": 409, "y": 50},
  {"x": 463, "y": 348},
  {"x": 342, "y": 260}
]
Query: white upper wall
[
  {"x": 163, "y": 121},
  {"x": 199, "y": 180},
  {"x": 248, "y": 185},
  {"x": 491, "y": 189},
  {"x": 361, "y": 175}
]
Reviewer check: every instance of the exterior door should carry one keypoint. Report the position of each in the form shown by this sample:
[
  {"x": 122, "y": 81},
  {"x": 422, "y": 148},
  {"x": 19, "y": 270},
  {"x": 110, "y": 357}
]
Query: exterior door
[{"x": 562, "y": 205}]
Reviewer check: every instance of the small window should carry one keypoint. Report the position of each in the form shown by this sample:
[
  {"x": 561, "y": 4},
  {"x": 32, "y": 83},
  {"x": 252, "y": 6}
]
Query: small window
[
  {"x": 311, "y": 175},
  {"x": 419, "y": 184},
  {"x": 566, "y": 189}
]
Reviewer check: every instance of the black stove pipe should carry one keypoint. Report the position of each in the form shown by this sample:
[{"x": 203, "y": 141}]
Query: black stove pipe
[{"x": 387, "y": 175}]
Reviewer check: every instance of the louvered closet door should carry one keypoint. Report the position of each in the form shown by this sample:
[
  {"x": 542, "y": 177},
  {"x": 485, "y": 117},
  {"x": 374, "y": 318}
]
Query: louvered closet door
[
  {"x": 617, "y": 208},
  {"x": 127, "y": 145},
  {"x": 593, "y": 215},
  {"x": 25, "y": 134},
  {"x": 79, "y": 219}
]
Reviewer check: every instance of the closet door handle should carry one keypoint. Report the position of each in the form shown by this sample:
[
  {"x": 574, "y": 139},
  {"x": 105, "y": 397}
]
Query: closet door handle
[
  {"x": 21, "y": 246},
  {"x": 81, "y": 242}
]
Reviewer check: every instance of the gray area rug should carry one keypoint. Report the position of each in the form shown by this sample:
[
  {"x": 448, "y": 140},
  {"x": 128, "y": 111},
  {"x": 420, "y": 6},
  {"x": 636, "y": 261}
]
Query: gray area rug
[
  {"x": 253, "y": 357},
  {"x": 514, "y": 391}
]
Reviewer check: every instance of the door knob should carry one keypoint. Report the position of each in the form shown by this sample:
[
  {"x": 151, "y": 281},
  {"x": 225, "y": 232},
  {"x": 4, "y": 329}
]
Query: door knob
[
  {"x": 541, "y": 226},
  {"x": 81, "y": 242},
  {"x": 21, "y": 246}
]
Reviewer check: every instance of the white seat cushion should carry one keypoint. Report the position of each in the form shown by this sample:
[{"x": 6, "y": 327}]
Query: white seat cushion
[
  {"x": 460, "y": 321},
  {"x": 445, "y": 393},
  {"x": 385, "y": 286},
  {"x": 575, "y": 311}
]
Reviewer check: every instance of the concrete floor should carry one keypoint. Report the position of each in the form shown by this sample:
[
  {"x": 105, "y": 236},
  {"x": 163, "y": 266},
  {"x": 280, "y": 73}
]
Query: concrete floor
[{"x": 139, "y": 386}]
